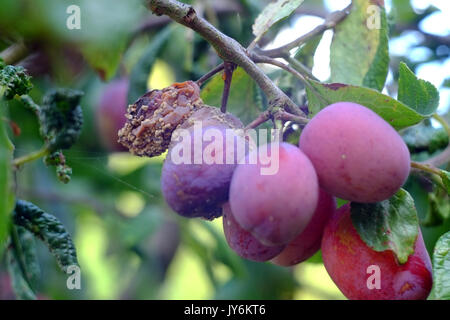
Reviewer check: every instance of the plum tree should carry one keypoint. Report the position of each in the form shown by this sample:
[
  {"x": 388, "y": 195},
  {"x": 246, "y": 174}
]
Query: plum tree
[
  {"x": 110, "y": 113},
  {"x": 276, "y": 207},
  {"x": 199, "y": 189},
  {"x": 357, "y": 155},
  {"x": 307, "y": 243},
  {"x": 348, "y": 261},
  {"x": 243, "y": 243}
]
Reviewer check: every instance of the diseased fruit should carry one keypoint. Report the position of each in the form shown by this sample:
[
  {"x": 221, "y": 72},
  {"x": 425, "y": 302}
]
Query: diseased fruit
[
  {"x": 357, "y": 155},
  {"x": 307, "y": 243},
  {"x": 152, "y": 119},
  {"x": 110, "y": 113},
  {"x": 275, "y": 207},
  {"x": 242, "y": 242},
  {"x": 198, "y": 189},
  {"x": 350, "y": 263}
]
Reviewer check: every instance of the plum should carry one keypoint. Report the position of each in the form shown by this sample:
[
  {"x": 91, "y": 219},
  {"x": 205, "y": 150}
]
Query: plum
[
  {"x": 357, "y": 155},
  {"x": 350, "y": 263},
  {"x": 307, "y": 243},
  {"x": 110, "y": 113},
  {"x": 243, "y": 243},
  {"x": 274, "y": 207},
  {"x": 199, "y": 189}
]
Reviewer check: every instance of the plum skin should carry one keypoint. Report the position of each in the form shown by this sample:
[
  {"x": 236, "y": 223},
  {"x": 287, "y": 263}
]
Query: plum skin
[
  {"x": 110, "y": 113},
  {"x": 242, "y": 242},
  {"x": 357, "y": 155},
  {"x": 307, "y": 243},
  {"x": 275, "y": 208},
  {"x": 346, "y": 258},
  {"x": 198, "y": 190}
]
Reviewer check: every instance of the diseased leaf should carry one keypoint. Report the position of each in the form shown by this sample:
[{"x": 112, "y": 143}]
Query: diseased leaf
[
  {"x": 394, "y": 112},
  {"x": 416, "y": 93},
  {"x": 28, "y": 250},
  {"x": 20, "y": 286},
  {"x": 49, "y": 229},
  {"x": 273, "y": 13},
  {"x": 61, "y": 118},
  {"x": 388, "y": 225},
  {"x": 359, "y": 50},
  {"x": 441, "y": 268},
  {"x": 244, "y": 101},
  {"x": 14, "y": 81},
  {"x": 139, "y": 73}
]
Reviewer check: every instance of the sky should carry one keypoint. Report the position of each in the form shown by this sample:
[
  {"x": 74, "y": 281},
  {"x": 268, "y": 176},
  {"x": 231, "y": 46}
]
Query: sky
[{"x": 437, "y": 23}]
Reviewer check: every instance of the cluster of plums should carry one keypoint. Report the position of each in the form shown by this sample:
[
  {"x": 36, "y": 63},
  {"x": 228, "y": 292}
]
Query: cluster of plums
[{"x": 345, "y": 151}]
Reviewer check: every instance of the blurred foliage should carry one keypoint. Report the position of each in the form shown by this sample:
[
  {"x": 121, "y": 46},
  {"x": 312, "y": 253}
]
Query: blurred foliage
[{"x": 130, "y": 245}]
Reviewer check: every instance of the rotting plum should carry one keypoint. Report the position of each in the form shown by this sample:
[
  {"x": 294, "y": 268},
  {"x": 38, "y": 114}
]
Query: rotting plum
[
  {"x": 110, "y": 113},
  {"x": 199, "y": 189},
  {"x": 243, "y": 243},
  {"x": 274, "y": 207},
  {"x": 357, "y": 155},
  {"x": 307, "y": 243},
  {"x": 347, "y": 259}
]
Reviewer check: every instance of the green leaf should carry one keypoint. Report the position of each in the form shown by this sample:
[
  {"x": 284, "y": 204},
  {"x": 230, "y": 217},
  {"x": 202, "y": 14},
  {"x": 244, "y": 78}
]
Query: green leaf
[
  {"x": 141, "y": 70},
  {"x": 424, "y": 137},
  {"x": 20, "y": 286},
  {"x": 104, "y": 59},
  {"x": 394, "y": 112},
  {"x": 305, "y": 54},
  {"x": 61, "y": 118},
  {"x": 416, "y": 93},
  {"x": 388, "y": 225},
  {"x": 441, "y": 267},
  {"x": 244, "y": 101},
  {"x": 273, "y": 13},
  {"x": 359, "y": 50},
  {"x": 49, "y": 229},
  {"x": 6, "y": 180},
  {"x": 445, "y": 176}
]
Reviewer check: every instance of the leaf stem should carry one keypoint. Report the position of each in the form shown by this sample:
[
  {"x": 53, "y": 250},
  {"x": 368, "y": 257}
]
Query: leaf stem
[
  {"x": 443, "y": 123},
  {"x": 31, "y": 157},
  {"x": 14, "y": 53},
  {"x": 425, "y": 167}
]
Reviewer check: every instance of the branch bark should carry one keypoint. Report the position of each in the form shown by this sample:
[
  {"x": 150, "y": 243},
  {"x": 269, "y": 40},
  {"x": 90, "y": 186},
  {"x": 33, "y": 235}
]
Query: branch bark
[{"x": 227, "y": 49}]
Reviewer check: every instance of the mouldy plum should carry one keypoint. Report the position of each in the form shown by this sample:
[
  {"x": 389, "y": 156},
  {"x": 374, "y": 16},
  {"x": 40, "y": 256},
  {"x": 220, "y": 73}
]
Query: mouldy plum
[
  {"x": 357, "y": 155},
  {"x": 307, "y": 243},
  {"x": 347, "y": 259},
  {"x": 243, "y": 243},
  {"x": 275, "y": 207},
  {"x": 110, "y": 113},
  {"x": 152, "y": 119}
]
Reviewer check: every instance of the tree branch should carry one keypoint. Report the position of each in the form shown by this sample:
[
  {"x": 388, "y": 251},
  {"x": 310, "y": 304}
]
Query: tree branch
[
  {"x": 330, "y": 22},
  {"x": 227, "y": 49}
]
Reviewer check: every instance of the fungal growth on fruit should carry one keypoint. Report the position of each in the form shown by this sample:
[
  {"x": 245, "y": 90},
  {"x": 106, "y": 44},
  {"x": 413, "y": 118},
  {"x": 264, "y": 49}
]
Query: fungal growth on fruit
[
  {"x": 154, "y": 116},
  {"x": 350, "y": 263},
  {"x": 357, "y": 155}
]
